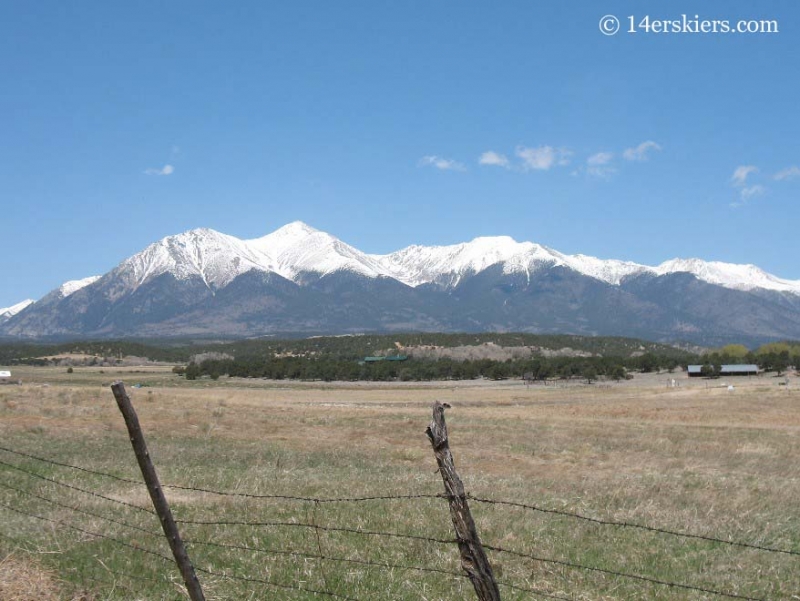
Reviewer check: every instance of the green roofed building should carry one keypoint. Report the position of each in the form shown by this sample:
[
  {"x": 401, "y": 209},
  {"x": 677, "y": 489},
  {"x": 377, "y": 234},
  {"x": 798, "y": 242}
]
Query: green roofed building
[{"x": 389, "y": 358}]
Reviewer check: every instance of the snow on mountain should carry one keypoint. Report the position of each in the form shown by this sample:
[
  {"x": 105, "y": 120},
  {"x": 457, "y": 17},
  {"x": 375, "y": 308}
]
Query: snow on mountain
[
  {"x": 610, "y": 271},
  {"x": 447, "y": 265},
  {"x": 296, "y": 248},
  {"x": 729, "y": 275},
  {"x": 71, "y": 287},
  {"x": 9, "y": 312},
  {"x": 214, "y": 257}
]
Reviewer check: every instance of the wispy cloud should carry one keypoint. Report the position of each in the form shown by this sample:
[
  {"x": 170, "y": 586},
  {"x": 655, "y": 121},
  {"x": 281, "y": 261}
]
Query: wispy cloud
[
  {"x": 741, "y": 173},
  {"x": 165, "y": 170},
  {"x": 750, "y": 192},
  {"x": 739, "y": 180},
  {"x": 600, "y": 158},
  {"x": 491, "y": 157},
  {"x": 788, "y": 173},
  {"x": 441, "y": 163},
  {"x": 599, "y": 164},
  {"x": 641, "y": 152},
  {"x": 542, "y": 158}
]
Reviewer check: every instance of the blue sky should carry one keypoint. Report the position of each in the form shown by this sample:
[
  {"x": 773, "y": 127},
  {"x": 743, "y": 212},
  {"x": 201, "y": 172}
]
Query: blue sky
[{"x": 395, "y": 123}]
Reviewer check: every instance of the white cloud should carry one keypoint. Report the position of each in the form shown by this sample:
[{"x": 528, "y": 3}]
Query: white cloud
[
  {"x": 739, "y": 180},
  {"x": 740, "y": 175},
  {"x": 542, "y": 158},
  {"x": 490, "y": 157},
  {"x": 441, "y": 163},
  {"x": 640, "y": 153},
  {"x": 788, "y": 173},
  {"x": 751, "y": 192},
  {"x": 165, "y": 170},
  {"x": 601, "y": 158},
  {"x": 598, "y": 164},
  {"x": 748, "y": 193}
]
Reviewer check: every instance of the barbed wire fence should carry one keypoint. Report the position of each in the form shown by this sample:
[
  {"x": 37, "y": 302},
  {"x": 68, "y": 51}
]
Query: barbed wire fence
[{"x": 62, "y": 497}]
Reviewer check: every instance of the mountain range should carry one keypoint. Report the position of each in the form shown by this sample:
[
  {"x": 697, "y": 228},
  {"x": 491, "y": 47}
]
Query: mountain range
[{"x": 302, "y": 281}]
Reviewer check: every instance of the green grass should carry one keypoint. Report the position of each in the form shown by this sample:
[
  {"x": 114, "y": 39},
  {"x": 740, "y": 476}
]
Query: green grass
[{"x": 698, "y": 462}]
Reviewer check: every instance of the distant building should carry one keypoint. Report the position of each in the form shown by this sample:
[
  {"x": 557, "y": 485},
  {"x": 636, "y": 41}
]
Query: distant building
[
  {"x": 695, "y": 371},
  {"x": 5, "y": 378},
  {"x": 389, "y": 358}
]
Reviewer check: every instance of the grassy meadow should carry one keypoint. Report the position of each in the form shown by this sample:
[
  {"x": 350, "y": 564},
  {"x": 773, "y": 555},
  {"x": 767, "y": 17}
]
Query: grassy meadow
[{"x": 694, "y": 458}]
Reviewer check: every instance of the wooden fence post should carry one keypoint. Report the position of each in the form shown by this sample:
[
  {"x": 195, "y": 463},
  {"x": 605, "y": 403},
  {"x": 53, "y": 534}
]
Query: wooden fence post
[
  {"x": 473, "y": 558},
  {"x": 156, "y": 492}
]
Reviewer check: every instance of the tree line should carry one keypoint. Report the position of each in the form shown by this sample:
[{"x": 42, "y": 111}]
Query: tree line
[
  {"x": 340, "y": 357},
  {"x": 328, "y": 368}
]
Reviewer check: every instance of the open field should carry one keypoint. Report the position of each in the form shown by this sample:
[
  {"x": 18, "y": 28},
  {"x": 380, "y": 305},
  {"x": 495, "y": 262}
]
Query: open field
[{"x": 695, "y": 458}]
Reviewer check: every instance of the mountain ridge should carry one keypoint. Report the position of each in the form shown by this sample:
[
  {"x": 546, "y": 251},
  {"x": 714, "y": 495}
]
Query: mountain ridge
[{"x": 301, "y": 279}]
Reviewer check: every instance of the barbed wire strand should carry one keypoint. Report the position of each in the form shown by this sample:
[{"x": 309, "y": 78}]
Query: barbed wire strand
[
  {"x": 578, "y": 566},
  {"x": 83, "y": 511},
  {"x": 444, "y": 541},
  {"x": 274, "y": 584},
  {"x": 21, "y": 547},
  {"x": 267, "y": 551},
  {"x": 410, "y": 496},
  {"x": 307, "y": 499},
  {"x": 233, "y": 494},
  {"x": 170, "y": 560},
  {"x": 74, "y": 467},
  {"x": 632, "y": 525},
  {"x": 292, "y": 552},
  {"x": 83, "y": 490},
  {"x": 89, "y": 532},
  {"x": 374, "y": 533}
]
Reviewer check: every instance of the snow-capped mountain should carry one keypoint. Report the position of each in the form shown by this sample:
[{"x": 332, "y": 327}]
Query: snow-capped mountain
[
  {"x": 302, "y": 280},
  {"x": 215, "y": 258},
  {"x": 729, "y": 275},
  {"x": 298, "y": 248},
  {"x": 447, "y": 265},
  {"x": 9, "y": 312},
  {"x": 72, "y": 286}
]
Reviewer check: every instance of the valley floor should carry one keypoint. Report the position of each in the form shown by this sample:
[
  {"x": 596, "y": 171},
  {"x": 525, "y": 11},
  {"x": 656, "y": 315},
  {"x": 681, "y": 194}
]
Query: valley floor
[{"x": 695, "y": 457}]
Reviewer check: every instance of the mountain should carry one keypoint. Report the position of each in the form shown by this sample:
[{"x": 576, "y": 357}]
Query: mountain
[
  {"x": 9, "y": 312},
  {"x": 299, "y": 280},
  {"x": 298, "y": 250},
  {"x": 73, "y": 286}
]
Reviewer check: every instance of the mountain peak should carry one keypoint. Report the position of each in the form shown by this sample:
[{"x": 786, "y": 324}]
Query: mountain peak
[
  {"x": 214, "y": 257},
  {"x": 196, "y": 234},
  {"x": 9, "y": 312},
  {"x": 730, "y": 275},
  {"x": 68, "y": 288},
  {"x": 297, "y": 248},
  {"x": 295, "y": 228}
]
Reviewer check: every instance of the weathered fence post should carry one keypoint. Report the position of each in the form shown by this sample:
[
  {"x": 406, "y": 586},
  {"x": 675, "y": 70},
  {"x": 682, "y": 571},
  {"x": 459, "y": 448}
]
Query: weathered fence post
[
  {"x": 473, "y": 558},
  {"x": 156, "y": 493}
]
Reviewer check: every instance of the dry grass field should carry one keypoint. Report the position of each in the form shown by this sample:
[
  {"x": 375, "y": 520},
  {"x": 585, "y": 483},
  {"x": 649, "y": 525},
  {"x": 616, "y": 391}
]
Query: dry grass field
[{"x": 696, "y": 458}]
